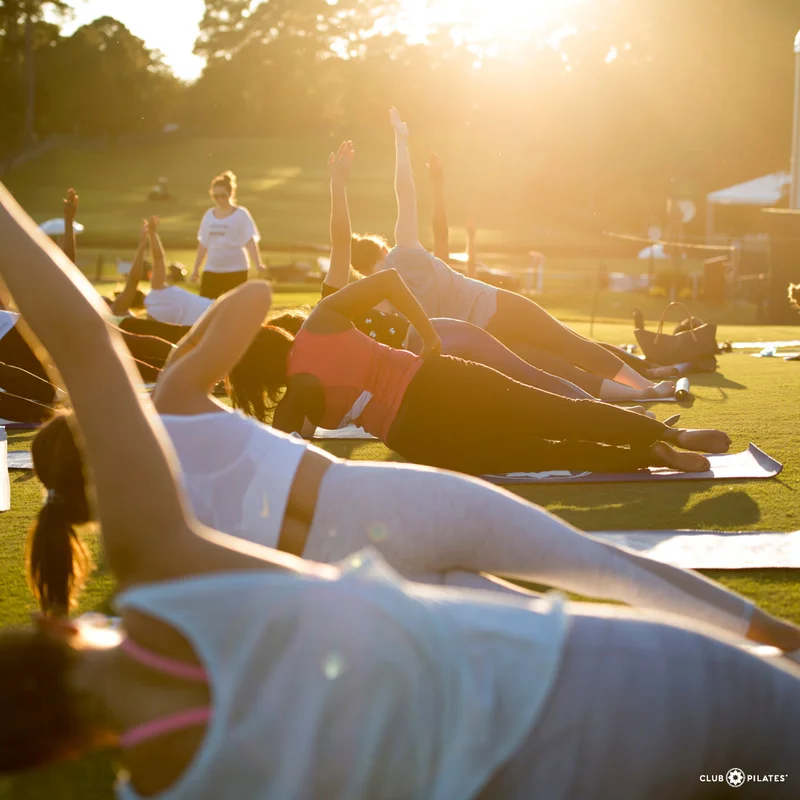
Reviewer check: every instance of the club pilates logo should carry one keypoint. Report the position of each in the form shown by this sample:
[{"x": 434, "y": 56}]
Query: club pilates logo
[{"x": 736, "y": 777}]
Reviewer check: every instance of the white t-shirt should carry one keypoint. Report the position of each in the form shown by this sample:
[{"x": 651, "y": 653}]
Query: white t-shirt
[
  {"x": 176, "y": 306},
  {"x": 225, "y": 239},
  {"x": 8, "y": 319}
]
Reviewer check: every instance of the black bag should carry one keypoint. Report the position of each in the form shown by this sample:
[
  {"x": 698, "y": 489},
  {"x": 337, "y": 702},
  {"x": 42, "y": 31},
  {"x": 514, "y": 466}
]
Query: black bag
[{"x": 667, "y": 349}]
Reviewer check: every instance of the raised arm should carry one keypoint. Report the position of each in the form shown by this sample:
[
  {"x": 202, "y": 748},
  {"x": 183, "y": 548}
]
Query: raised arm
[
  {"x": 70, "y": 212},
  {"x": 214, "y": 346},
  {"x": 360, "y": 297},
  {"x": 158, "y": 278},
  {"x": 144, "y": 541},
  {"x": 406, "y": 232},
  {"x": 121, "y": 304},
  {"x": 339, "y": 272},
  {"x": 441, "y": 232}
]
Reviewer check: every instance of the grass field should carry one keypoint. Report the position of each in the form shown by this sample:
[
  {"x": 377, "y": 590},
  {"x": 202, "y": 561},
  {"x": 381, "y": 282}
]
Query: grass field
[
  {"x": 753, "y": 399},
  {"x": 283, "y": 181}
]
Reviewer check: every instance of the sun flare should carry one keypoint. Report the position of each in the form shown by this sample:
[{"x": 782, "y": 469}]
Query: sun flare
[{"x": 487, "y": 22}]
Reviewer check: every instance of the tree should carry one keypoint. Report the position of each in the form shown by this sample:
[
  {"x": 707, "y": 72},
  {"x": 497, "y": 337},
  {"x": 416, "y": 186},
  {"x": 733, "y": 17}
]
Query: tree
[
  {"x": 104, "y": 81},
  {"x": 22, "y": 33}
]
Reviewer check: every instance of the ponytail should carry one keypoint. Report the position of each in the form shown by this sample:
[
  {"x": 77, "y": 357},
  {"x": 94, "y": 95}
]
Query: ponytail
[{"x": 57, "y": 560}]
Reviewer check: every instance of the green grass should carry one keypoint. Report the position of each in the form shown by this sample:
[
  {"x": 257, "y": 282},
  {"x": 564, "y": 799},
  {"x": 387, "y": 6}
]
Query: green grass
[
  {"x": 283, "y": 181},
  {"x": 753, "y": 399}
]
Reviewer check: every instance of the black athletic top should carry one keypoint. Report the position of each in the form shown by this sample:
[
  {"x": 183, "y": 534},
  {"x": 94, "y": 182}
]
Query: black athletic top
[{"x": 389, "y": 329}]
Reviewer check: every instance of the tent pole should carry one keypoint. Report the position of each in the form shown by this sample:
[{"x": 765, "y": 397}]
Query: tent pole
[{"x": 794, "y": 199}]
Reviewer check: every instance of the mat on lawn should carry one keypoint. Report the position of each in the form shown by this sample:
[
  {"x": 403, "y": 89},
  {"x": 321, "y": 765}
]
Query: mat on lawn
[
  {"x": 750, "y": 464},
  {"x": 712, "y": 549}
]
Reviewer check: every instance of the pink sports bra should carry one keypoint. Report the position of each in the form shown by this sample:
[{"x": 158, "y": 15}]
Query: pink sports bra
[{"x": 174, "y": 722}]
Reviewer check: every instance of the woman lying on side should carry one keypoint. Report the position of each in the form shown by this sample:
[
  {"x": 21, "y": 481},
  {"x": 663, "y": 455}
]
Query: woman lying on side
[
  {"x": 458, "y": 338},
  {"x": 438, "y": 410},
  {"x": 511, "y": 318},
  {"x": 534, "y": 356},
  {"x": 253, "y": 482},
  {"x": 245, "y": 672}
]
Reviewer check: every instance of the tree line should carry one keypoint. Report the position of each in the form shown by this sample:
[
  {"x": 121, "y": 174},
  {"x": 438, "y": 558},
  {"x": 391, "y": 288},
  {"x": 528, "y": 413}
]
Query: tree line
[{"x": 650, "y": 97}]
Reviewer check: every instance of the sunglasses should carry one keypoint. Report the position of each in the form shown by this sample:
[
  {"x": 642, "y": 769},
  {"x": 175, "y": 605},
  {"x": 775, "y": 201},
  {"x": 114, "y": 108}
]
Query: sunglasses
[{"x": 220, "y": 195}]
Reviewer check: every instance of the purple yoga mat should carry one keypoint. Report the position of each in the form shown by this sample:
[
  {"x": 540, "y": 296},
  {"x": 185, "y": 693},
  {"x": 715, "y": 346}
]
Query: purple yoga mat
[{"x": 751, "y": 464}]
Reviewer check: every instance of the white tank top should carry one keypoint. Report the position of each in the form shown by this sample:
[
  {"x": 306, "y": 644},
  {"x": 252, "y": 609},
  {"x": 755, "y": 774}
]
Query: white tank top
[
  {"x": 361, "y": 687},
  {"x": 237, "y": 472}
]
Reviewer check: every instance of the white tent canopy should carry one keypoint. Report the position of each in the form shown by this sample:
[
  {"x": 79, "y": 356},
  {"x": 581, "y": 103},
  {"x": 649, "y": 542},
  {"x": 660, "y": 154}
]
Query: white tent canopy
[{"x": 764, "y": 191}]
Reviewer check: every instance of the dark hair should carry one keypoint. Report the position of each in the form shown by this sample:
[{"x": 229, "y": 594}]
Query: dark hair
[
  {"x": 255, "y": 383},
  {"x": 57, "y": 561},
  {"x": 138, "y": 299},
  {"x": 290, "y": 321},
  {"x": 366, "y": 252},
  {"x": 794, "y": 294},
  {"x": 43, "y": 713},
  {"x": 227, "y": 180}
]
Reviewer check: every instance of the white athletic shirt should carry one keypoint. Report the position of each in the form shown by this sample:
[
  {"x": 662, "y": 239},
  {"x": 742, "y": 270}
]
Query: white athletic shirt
[
  {"x": 365, "y": 686},
  {"x": 176, "y": 306},
  {"x": 8, "y": 319},
  {"x": 225, "y": 239},
  {"x": 442, "y": 291},
  {"x": 237, "y": 472}
]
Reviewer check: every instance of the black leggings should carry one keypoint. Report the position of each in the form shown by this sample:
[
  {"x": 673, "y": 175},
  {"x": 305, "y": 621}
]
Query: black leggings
[
  {"x": 150, "y": 327},
  {"x": 214, "y": 284},
  {"x": 23, "y": 375},
  {"x": 465, "y": 417}
]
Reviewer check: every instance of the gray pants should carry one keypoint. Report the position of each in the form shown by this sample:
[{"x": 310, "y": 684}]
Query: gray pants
[{"x": 641, "y": 710}]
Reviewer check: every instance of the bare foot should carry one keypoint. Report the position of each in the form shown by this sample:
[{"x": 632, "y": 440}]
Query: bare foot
[
  {"x": 665, "y": 456},
  {"x": 662, "y": 389},
  {"x": 662, "y": 373},
  {"x": 704, "y": 441}
]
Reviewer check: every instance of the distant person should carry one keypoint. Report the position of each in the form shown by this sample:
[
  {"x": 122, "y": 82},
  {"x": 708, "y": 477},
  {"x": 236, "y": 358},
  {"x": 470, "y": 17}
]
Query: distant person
[
  {"x": 164, "y": 303},
  {"x": 227, "y": 236}
]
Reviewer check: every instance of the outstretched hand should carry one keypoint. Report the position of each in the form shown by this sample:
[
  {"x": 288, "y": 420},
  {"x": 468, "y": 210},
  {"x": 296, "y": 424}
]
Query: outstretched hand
[
  {"x": 71, "y": 205},
  {"x": 435, "y": 168},
  {"x": 151, "y": 224},
  {"x": 400, "y": 127},
  {"x": 341, "y": 162}
]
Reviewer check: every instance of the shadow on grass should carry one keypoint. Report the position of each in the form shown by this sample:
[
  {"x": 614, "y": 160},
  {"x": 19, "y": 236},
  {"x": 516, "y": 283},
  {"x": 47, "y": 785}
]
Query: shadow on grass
[
  {"x": 620, "y": 507},
  {"x": 715, "y": 380}
]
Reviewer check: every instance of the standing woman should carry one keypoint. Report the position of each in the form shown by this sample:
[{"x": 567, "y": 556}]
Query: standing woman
[{"x": 227, "y": 236}]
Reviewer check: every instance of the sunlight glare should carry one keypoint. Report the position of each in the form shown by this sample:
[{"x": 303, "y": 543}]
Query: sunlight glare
[{"x": 481, "y": 21}]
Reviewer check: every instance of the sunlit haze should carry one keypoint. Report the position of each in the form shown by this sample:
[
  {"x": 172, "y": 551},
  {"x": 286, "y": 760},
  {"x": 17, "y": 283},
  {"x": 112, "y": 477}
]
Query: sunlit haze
[{"x": 171, "y": 26}]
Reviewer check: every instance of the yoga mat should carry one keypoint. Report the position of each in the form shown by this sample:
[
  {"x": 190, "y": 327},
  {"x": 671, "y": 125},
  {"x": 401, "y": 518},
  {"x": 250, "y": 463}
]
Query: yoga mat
[
  {"x": 712, "y": 549},
  {"x": 762, "y": 345},
  {"x": 19, "y": 426},
  {"x": 5, "y": 484},
  {"x": 19, "y": 459},
  {"x": 751, "y": 464},
  {"x": 351, "y": 432}
]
